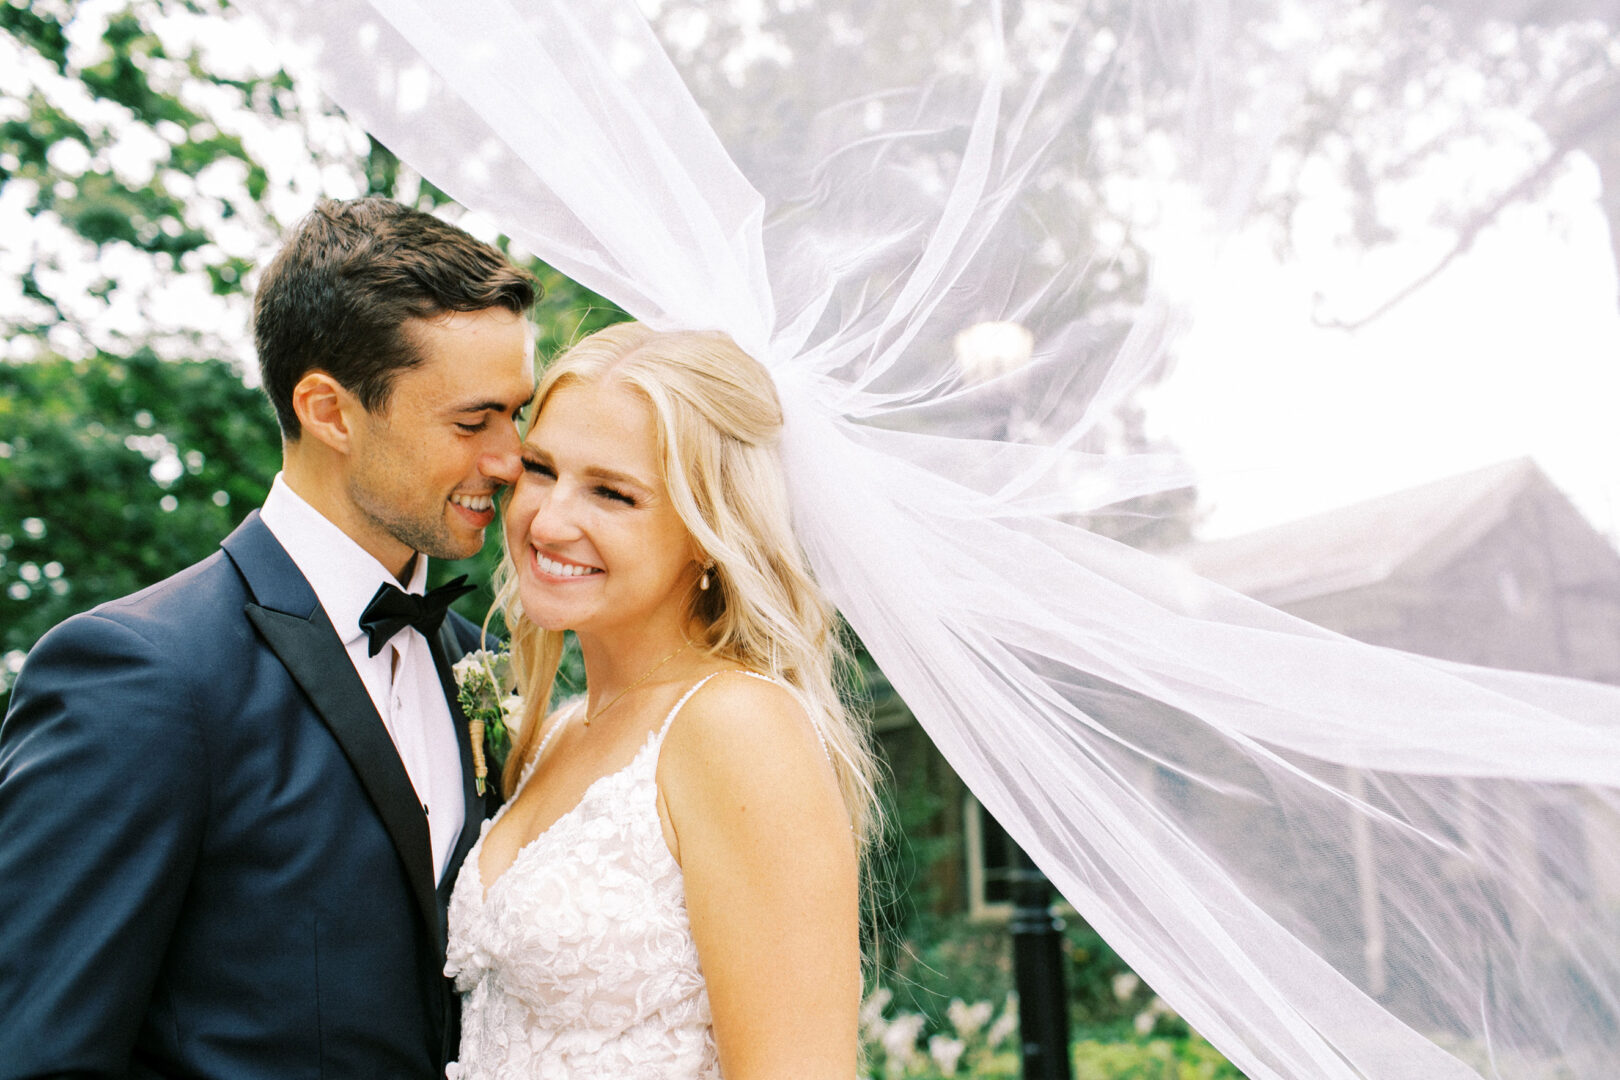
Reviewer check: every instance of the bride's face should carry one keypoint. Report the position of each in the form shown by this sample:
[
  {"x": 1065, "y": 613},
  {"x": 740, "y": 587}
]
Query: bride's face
[{"x": 596, "y": 543}]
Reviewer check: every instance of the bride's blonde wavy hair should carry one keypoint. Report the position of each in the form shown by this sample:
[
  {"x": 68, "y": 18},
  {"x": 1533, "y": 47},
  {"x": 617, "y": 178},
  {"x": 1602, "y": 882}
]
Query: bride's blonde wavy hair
[{"x": 718, "y": 423}]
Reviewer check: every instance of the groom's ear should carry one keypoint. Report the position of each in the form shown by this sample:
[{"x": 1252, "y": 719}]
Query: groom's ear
[{"x": 326, "y": 410}]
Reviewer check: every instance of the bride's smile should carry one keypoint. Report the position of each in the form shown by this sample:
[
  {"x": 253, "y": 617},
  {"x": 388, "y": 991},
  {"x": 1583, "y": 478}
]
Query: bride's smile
[{"x": 561, "y": 569}]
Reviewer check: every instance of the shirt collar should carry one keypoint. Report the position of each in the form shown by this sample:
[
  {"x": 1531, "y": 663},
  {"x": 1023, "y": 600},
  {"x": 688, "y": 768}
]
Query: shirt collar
[{"x": 344, "y": 575}]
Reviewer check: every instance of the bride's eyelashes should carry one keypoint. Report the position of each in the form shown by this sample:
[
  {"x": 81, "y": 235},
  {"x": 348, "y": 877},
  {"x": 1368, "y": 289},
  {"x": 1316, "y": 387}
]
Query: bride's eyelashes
[{"x": 537, "y": 467}]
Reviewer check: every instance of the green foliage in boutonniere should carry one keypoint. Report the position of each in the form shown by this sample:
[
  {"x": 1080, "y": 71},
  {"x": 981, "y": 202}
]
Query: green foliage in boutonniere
[{"x": 484, "y": 687}]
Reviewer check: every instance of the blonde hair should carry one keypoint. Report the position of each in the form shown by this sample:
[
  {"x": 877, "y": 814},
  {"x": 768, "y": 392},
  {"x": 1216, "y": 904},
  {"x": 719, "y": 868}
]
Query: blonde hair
[{"x": 718, "y": 422}]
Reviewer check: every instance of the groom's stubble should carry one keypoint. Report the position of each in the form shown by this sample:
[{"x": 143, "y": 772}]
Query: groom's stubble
[{"x": 447, "y": 436}]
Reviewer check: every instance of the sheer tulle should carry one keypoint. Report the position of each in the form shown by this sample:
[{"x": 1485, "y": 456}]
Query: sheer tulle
[{"x": 1335, "y": 860}]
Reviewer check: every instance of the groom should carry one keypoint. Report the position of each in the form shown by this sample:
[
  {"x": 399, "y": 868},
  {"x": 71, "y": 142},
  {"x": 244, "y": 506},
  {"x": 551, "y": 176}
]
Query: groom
[{"x": 232, "y": 805}]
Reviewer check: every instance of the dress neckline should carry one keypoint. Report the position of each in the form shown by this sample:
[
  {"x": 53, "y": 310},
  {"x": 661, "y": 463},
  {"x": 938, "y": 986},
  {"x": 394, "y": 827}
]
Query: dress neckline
[{"x": 654, "y": 738}]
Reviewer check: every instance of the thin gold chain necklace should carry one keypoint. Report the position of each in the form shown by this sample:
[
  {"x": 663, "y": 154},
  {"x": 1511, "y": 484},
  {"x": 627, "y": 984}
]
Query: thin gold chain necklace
[{"x": 645, "y": 676}]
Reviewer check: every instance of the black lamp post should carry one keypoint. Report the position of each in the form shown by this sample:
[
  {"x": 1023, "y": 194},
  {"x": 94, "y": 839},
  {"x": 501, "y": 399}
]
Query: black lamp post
[{"x": 1043, "y": 1003}]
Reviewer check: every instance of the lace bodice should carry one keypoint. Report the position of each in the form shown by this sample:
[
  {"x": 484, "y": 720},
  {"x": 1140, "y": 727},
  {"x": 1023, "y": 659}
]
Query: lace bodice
[{"x": 578, "y": 962}]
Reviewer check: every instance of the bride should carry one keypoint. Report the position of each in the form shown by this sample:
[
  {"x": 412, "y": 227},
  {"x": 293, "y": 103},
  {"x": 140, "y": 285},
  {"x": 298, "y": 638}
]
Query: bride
[{"x": 670, "y": 889}]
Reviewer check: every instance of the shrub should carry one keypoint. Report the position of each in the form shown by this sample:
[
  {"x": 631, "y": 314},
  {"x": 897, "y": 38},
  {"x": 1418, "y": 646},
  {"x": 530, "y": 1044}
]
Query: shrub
[{"x": 978, "y": 1042}]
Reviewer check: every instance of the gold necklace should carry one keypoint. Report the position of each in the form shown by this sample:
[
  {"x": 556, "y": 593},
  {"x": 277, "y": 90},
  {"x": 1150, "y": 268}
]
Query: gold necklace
[{"x": 645, "y": 676}]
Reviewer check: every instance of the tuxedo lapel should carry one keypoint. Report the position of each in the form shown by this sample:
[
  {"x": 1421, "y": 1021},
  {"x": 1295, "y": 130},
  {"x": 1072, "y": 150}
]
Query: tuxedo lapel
[{"x": 294, "y": 625}]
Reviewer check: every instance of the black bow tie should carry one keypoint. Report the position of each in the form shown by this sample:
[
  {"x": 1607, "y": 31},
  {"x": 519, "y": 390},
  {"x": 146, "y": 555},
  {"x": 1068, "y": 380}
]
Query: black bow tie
[{"x": 392, "y": 610}]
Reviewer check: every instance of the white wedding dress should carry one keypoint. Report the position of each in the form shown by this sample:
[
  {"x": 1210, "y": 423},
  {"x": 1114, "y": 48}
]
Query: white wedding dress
[{"x": 578, "y": 962}]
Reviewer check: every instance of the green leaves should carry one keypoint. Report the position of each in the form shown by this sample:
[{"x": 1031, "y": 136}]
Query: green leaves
[
  {"x": 42, "y": 33},
  {"x": 122, "y": 75},
  {"x": 30, "y": 139},
  {"x": 116, "y": 472}
]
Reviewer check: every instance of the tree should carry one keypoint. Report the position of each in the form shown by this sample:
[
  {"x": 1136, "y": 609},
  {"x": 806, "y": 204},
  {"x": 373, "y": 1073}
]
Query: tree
[
  {"x": 116, "y": 472},
  {"x": 1507, "y": 96}
]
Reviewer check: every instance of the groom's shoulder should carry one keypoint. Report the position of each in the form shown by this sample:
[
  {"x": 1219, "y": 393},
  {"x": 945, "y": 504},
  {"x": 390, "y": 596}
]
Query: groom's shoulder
[
  {"x": 205, "y": 592},
  {"x": 198, "y": 607},
  {"x": 176, "y": 632},
  {"x": 209, "y": 595}
]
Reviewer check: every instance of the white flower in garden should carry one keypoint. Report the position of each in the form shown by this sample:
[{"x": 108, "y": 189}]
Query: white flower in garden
[
  {"x": 1147, "y": 1018},
  {"x": 946, "y": 1052},
  {"x": 1005, "y": 1024},
  {"x": 900, "y": 1041},
  {"x": 1125, "y": 985},
  {"x": 876, "y": 1002},
  {"x": 871, "y": 1019},
  {"x": 968, "y": 1019}
]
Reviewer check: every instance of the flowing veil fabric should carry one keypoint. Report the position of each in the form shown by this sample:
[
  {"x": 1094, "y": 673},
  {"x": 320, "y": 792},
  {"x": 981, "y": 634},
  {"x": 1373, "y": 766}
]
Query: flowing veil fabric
[{"x": 1325, "y": 855}]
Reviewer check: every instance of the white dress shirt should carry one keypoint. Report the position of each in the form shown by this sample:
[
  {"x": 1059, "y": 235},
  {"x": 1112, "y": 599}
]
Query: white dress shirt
[{"x": 401, "y": 678}]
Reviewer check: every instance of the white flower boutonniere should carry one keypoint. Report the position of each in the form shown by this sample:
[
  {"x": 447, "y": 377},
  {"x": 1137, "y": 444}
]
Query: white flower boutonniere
[{"x": 485, "y": 690}]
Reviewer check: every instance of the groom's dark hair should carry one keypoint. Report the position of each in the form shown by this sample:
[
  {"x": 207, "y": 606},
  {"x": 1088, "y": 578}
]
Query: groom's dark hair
[{"x": 337, "y": 295}]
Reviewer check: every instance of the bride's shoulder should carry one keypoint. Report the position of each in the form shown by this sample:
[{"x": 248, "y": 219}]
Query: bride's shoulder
[
  {"x": 742, "y": 767},
  {"x": 740, "y": 722}
]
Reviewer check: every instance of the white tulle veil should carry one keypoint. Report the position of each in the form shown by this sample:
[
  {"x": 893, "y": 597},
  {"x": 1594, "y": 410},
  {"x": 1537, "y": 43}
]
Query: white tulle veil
[{"x": 1323, "y": 854}]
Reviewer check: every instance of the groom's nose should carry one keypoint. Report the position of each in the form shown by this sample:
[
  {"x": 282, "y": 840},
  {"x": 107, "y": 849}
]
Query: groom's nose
[{"x": 499, "y": 459}]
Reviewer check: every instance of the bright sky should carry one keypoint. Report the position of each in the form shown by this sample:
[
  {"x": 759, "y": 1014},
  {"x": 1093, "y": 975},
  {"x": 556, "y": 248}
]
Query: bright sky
[{"x": 1514, "y": 350}]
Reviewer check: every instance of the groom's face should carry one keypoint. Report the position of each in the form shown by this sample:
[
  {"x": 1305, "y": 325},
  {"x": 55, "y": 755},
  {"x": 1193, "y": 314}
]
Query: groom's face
[{"x": 423, "y": 472}]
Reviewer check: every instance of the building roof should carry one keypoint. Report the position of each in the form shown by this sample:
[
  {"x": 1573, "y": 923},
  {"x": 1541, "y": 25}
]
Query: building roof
[{"x": 1365, "y": 542}]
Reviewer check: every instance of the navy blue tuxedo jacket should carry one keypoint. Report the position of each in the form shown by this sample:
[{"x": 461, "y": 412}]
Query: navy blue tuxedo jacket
[{"x": 212, "y": 862}]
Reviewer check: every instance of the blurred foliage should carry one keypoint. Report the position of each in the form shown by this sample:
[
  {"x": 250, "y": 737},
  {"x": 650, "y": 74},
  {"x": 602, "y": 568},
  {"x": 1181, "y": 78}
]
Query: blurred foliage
[
  {"x": 953, "y": 956},
  {"x": 1514, "y": 98},
  {"x": 1187, "y": 1057},
  {"x": 116, "y": 472},
  {"x": 976, "y": 1038},
  {"x": 116, "y": 149},
  {"x": 920, "y": 942}
]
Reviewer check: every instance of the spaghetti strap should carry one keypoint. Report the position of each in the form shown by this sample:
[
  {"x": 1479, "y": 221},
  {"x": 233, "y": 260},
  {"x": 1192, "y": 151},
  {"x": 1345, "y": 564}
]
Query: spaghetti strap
[
  {"x": 670, "y": 719},
  {"x": 663, "y": 729},
  {"x": 559, "y": 721}
]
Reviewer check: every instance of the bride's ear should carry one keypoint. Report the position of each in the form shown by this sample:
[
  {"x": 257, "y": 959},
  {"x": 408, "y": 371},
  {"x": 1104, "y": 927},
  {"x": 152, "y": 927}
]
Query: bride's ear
[{"x": 326, "y": 410}]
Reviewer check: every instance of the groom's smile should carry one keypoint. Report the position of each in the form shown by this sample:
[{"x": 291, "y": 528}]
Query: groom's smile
[
  {"x": 479, "y": 510},
  {"x": 425, "y": 468}
]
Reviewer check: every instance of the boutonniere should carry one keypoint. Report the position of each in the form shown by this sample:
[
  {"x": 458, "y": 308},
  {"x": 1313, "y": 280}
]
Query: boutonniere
[{"x": 485, "y": 689}]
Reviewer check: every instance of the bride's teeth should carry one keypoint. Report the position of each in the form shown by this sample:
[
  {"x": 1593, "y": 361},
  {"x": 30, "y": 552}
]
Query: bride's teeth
[{"x": 557, "y": 569}]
